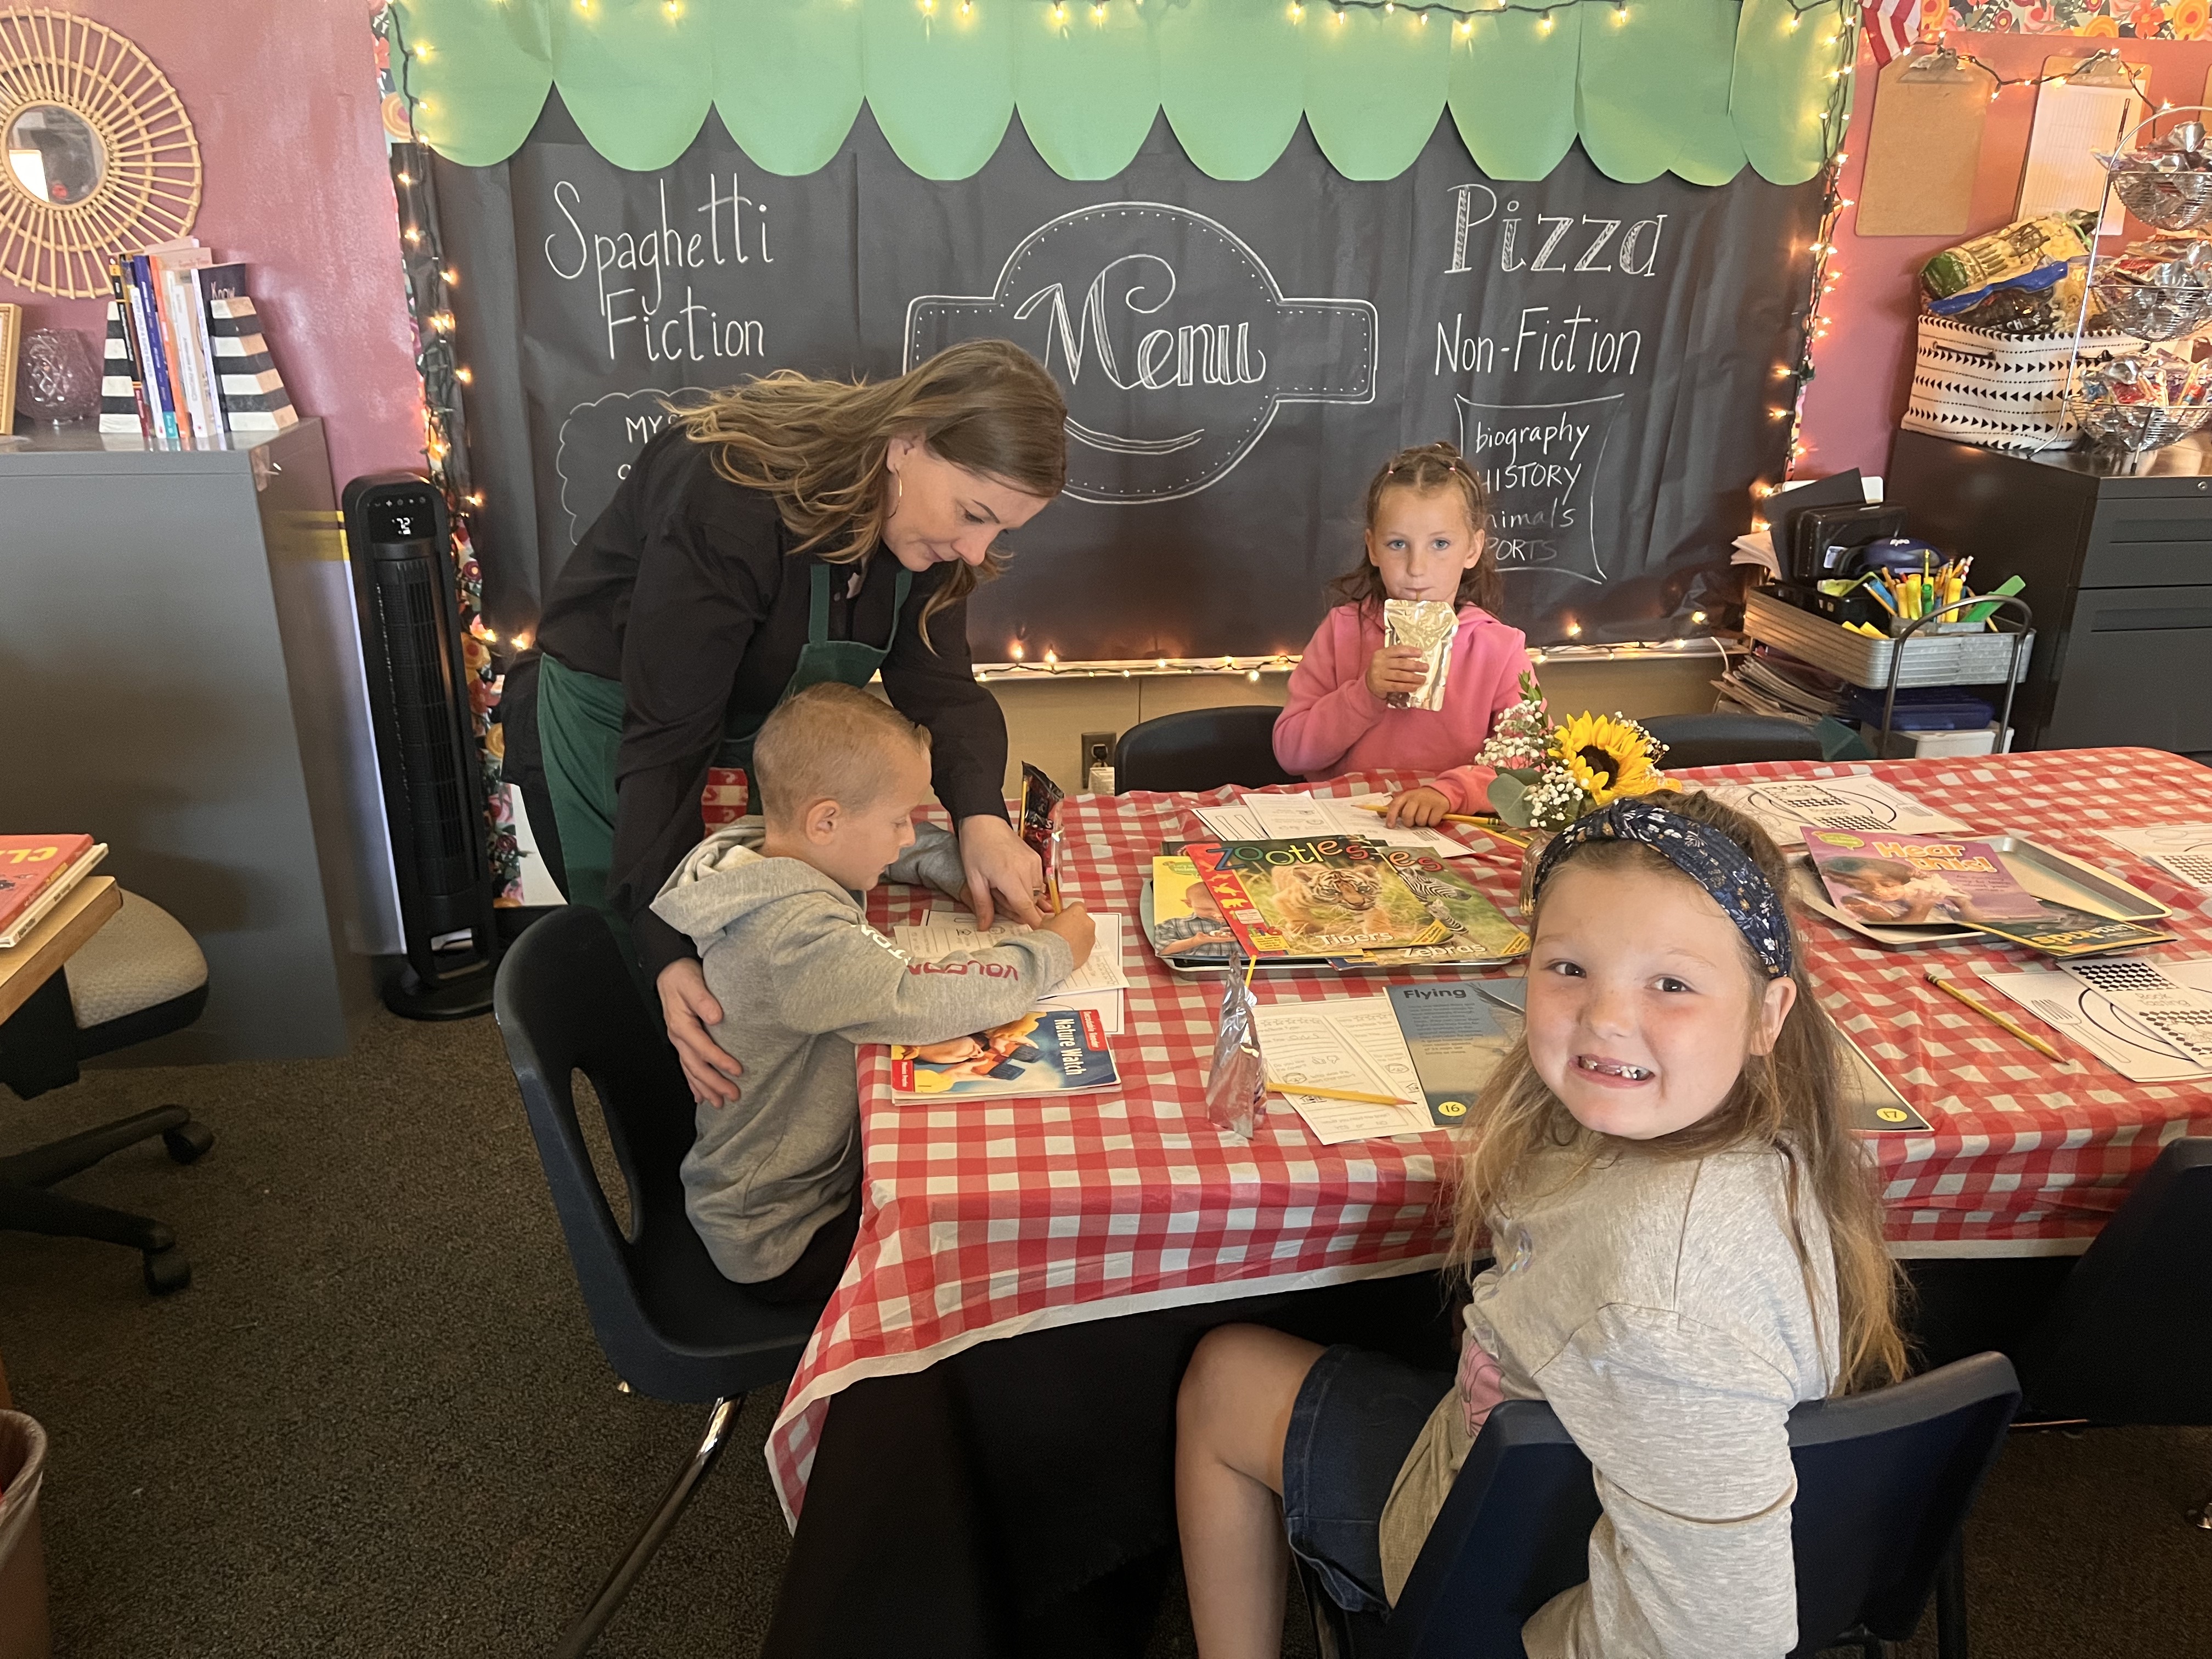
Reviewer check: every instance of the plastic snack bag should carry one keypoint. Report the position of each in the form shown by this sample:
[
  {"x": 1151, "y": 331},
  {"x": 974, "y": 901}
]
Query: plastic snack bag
[
  {"x": 1429, "y": 626},
  {"x": 1237, "y": 1087},
  {"x": 1039, "y": 827}
]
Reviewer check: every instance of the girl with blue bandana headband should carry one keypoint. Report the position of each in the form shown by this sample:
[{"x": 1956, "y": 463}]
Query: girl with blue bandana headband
[{"x": 1687, "y": 1244}]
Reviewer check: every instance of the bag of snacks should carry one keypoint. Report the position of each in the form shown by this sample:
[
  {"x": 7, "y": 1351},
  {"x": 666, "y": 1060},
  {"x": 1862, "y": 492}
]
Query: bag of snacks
[
  {"x": 2003, "y": 255},
  {"x": 1429, "y": 626}
]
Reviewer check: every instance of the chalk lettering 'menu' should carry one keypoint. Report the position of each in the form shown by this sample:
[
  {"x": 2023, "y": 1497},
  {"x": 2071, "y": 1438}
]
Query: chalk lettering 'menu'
[{"x": 1193, "y": 354}]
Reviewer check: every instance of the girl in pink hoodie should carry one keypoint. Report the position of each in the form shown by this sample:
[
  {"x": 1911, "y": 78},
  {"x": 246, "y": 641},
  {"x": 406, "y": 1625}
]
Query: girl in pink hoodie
[{"x": 1425, "y": 513}]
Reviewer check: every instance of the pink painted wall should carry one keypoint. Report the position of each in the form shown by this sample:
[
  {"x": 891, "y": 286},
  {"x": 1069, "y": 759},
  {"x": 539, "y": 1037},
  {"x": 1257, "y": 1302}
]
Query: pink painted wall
[
  {"x": 1865, "y": 365},
  {"x": 284, "y": 101}
]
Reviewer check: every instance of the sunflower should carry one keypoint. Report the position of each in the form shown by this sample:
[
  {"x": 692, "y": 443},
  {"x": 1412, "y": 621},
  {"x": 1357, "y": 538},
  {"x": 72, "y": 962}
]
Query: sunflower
[{"x": 1608, "y": 758}]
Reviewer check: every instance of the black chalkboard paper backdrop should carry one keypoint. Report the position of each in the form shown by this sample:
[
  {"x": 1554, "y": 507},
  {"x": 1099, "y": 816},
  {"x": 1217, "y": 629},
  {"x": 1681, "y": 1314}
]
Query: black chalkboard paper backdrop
[{"x": 1238, "y": 358}]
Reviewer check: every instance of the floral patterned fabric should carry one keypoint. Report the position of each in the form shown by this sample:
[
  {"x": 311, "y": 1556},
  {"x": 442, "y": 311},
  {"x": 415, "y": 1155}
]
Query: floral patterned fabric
[{"x": 2122, "y": 20}]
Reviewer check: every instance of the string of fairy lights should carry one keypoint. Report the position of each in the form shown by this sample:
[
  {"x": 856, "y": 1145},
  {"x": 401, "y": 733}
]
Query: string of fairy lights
[
  {"x": 431, "y": 279},
  {"x": 1464, "y": 18}
]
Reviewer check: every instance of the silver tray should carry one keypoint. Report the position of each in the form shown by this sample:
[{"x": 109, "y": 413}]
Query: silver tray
[{"x": 2057, "y": 877}]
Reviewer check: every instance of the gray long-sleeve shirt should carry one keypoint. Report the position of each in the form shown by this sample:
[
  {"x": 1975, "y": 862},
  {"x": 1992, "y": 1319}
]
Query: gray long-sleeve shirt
[
  {"x": 1660, "y": 1309},
  {"x": 802, "y": 978}
]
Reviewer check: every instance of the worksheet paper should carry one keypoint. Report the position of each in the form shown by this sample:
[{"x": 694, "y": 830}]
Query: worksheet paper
[
  {"x": 1291, "y": 817},
  {"x": 1349, "y": 1043},
  {"x": 1097, "y": 985},
  {"x": 2182, "y": 850},
  {"x": 2178, "y": 1013},
  {"x": 2084, "y": 1015},
  {"x": 1783, "y": 808},
  {"x": 1229, "y": 823},
  {"x": 1351, "y": 815}
]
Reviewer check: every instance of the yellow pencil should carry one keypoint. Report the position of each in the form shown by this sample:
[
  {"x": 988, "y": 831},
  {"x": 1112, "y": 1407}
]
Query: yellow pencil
[
  {"x": 1993, "y": 1016},
  {"x": 1449, "y": 817},
  {"x": 1052, "y": 892},
  {"x": 1335, "y": 1094},
  {"x": 1488, "y": 826}
]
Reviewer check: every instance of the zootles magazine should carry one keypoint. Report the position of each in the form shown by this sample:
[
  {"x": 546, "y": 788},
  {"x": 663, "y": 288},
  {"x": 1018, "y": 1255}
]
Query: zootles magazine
[{"x": 1316, "y": 895}]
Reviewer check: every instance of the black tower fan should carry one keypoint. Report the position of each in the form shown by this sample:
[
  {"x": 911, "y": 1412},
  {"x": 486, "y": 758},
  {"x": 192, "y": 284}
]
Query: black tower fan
[{"x": 411, "y": 628}]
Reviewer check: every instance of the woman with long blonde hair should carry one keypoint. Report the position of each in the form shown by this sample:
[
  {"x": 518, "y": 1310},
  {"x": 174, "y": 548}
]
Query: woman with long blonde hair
[
  {"x": 1688, "y": 1243},
  {"x": 785, "y": 531}
]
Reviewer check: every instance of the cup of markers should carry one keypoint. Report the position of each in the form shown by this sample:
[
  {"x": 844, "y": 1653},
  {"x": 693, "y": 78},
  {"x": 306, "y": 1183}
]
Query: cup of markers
[{"x": 1907, "y": 597}]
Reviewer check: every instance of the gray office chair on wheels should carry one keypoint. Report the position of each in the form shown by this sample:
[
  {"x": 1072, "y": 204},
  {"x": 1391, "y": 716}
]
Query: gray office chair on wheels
[
  {"x": 140, "y": 976},
  {"x": 668, "y": 1322}
]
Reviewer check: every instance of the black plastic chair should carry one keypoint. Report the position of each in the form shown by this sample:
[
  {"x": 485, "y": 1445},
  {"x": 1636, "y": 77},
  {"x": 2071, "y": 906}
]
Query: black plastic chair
[
  {"x": 1885, "y": 1482},
  {"x": 2128, "y": 1337},
  {"x": 668, "y": 1322},
  {"x": 1726, "y": 739},
  {"x": 1201, "y": 749}
]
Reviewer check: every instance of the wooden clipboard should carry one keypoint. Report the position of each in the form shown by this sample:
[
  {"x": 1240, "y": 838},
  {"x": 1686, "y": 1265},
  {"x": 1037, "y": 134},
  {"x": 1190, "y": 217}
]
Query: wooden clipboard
[{"x": 1925, "y": 147}]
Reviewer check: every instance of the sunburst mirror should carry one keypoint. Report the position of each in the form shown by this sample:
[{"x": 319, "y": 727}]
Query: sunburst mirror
[{"x": 100, "y": 155}]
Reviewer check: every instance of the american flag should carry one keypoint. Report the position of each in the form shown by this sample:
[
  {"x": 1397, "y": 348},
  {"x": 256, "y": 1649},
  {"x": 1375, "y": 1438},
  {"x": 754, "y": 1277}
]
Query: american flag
[{"x": 1891, "y": 27}]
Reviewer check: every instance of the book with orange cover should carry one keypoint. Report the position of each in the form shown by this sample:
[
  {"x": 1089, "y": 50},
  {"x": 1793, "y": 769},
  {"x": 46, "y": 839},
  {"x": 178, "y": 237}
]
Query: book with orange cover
[{"x": 35, "y": 871}]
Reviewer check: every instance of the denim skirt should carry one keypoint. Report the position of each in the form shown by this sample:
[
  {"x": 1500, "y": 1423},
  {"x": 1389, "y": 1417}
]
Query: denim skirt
[{"x": 1355, "y": 1418}]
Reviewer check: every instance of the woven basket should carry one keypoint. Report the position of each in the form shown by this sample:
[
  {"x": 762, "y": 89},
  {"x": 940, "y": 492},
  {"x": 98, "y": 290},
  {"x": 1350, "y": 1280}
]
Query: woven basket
[{"x": 2001, "y": 390}]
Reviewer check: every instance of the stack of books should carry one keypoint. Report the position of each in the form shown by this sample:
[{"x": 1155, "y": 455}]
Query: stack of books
[
  {"x": 1770, "y": 682},
  {"x": 185, "y": 361},
  {"x": 36, "y": 872}
]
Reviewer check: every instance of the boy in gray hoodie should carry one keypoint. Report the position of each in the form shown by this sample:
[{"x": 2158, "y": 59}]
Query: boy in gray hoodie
[{"x": 772, "y": 1181}]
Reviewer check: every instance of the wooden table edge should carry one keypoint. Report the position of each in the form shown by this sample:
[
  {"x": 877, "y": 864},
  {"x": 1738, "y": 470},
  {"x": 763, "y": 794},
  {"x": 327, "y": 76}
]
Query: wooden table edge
[{"x": 81, "y": 914}]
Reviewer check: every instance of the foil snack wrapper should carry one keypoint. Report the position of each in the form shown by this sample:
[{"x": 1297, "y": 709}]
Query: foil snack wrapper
[{"x": 1429, "y": 626}]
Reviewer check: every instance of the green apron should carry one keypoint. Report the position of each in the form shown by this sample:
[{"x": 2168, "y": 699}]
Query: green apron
[{"x": 579, "y": 722}]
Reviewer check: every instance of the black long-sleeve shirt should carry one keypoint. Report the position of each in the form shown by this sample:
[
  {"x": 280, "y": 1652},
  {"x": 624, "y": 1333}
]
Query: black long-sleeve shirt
[{"x": 685, "y": 589}]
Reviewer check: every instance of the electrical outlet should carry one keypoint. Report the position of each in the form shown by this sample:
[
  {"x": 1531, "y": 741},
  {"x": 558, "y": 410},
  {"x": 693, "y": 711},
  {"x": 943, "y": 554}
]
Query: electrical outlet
[{"x": 1098, "y": 751}]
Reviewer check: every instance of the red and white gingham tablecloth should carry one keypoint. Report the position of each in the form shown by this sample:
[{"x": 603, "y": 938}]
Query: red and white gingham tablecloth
[{"x": 982, "y": 1220}]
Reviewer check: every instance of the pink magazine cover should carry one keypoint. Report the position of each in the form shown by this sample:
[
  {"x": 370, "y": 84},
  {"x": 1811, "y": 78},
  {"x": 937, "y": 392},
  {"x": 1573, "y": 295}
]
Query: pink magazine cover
[{"x": 1901, "y": 881}]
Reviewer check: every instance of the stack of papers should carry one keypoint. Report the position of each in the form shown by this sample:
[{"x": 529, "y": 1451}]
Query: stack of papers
[
  {"x": 2183, "y": 851},
  {"x": 1764, "y": 682},
  {"x": 2150, "y": 1022},
  {"x": 1097, "y": 985},
  {"x": 1352, "y": 1043},
  {"x": 1757, "y": 549},
  {"x": 1290, "y": 817}
]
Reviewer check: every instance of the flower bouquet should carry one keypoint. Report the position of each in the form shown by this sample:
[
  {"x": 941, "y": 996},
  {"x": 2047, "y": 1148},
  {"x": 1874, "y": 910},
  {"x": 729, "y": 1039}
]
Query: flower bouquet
[{"x": 1548, "y": 774}]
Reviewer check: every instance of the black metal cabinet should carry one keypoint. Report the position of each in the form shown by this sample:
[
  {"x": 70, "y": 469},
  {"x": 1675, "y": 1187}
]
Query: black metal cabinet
[{"x": 2117, "y": 554}]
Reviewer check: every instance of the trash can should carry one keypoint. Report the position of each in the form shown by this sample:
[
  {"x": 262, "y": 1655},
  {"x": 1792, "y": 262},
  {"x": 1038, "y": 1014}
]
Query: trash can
[{"x": 23, "y": 1630}]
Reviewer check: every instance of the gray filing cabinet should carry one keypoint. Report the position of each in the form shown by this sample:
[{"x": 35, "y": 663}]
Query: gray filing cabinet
[
  {"x": 2117, "y": 553},
  {"x": 181, "y": 672}
]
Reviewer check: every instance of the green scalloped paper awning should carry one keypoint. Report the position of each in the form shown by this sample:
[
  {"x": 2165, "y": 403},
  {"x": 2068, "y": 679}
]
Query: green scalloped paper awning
[{"x": 1696, "y": 88}]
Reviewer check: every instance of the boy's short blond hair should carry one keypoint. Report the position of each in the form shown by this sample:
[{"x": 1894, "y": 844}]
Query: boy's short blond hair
[{"x": 828, "y": 741}]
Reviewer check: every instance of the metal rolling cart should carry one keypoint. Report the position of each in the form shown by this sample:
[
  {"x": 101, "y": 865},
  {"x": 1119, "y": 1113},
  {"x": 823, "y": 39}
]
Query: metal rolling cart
[{"x": 1928, "y": 652}]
